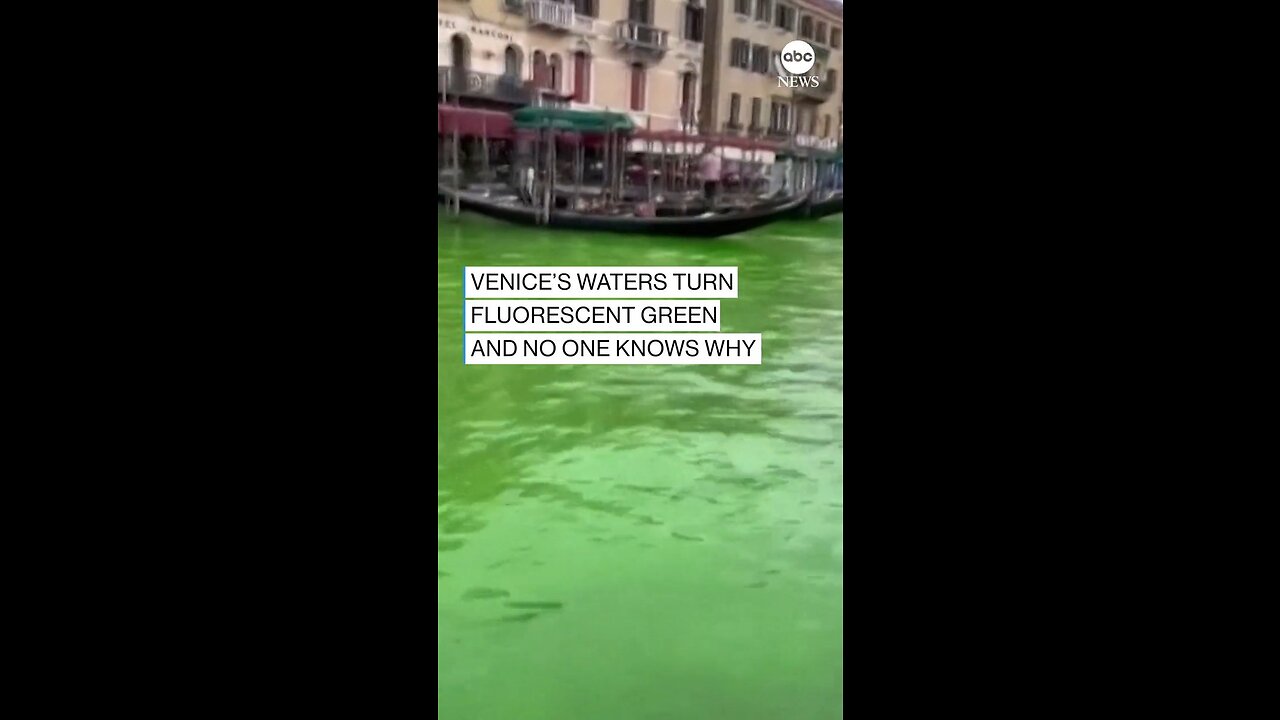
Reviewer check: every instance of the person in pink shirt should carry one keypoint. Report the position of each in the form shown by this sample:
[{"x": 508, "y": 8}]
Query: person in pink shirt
[{"x": 709, "y": 171}]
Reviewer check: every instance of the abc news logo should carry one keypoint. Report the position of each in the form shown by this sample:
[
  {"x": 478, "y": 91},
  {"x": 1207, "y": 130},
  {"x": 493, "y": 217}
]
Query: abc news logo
[{"x": 797, "y": 58}]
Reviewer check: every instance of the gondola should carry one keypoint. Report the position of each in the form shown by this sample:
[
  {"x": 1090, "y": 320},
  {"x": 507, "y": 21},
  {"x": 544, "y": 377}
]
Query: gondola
[
  {"x": 706, "y": 225},
  {"x": 831, "y": 205}
]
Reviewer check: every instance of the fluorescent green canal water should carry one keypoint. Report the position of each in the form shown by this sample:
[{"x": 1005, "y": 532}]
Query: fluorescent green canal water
[{"x": 620, "y": 542}]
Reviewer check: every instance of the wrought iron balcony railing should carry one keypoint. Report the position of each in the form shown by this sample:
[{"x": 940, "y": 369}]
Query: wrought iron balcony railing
[
  {"x": 555, "y": 15},
  {"x": 640, "y": 35},
  {"x": 469, "y": 83},
  {"x": 821, "y": 93}
]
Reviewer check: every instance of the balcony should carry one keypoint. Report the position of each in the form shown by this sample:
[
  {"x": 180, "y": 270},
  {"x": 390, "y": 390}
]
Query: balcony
[
  {"x": 555, "y": 16},
  {"x": 639, "y": 36},
  {"x": 818, "y": 94},
  {"x": 777, "y": 133},
  {"x": 471, "y": 84}
]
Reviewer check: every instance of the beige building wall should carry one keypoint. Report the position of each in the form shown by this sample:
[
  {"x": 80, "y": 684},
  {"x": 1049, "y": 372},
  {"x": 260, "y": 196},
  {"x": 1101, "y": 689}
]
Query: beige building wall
[
  {"x": 726, "y": 24},
  {"x": 487, "y": 28},
  {"x": 490, "y": 25},
  {"x": 834, "y": 103}
]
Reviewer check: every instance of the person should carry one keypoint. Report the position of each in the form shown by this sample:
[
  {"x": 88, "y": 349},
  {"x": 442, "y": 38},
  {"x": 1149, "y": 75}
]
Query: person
[{"x": 709, "y": 171}]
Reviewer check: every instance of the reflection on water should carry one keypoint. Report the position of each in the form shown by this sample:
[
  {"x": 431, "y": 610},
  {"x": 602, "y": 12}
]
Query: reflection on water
[{"x": 646, "y": 541}]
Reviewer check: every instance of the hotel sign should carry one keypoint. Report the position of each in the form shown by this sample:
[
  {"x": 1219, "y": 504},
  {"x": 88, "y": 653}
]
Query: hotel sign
[{"x": 449, "y": 22}]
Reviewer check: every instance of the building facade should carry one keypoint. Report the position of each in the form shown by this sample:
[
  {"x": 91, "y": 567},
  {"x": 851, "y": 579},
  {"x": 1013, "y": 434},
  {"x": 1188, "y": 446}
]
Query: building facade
[
  {"x": 741, "y": 92},
  {"x": 641, "y": 57}
]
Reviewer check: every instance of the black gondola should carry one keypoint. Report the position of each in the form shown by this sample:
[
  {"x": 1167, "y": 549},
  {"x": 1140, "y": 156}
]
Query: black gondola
[
  {"x": 707, "y": 225},
  {"x": 831, "y": 205}
]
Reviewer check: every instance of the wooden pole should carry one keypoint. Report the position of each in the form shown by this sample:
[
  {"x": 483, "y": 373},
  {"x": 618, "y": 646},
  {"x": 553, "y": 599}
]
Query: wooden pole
[
  {"x": 457, "y": 149},
  {"x": 620, "y": 164},
  {"x": 721, "y": 181},
  {"x": 606, "y": 168},
  {"x": 662, "y": 165},
  {"x": 551, "y": 177},
  {"x": 484, "y": 152},
  {"x": 536, "y": 165},
  {"x": 577, "y": 169}
]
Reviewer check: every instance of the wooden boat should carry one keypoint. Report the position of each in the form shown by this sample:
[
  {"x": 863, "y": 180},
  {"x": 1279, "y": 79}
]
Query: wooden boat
[
  {"x": 833, "y": 204},
  {"x": 829, "y": 203},
  {"x": 706, "y": 225}
]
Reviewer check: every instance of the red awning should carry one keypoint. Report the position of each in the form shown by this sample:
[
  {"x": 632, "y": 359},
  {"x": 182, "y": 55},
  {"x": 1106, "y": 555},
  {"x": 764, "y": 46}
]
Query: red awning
[{"x": 473, "y": 122}]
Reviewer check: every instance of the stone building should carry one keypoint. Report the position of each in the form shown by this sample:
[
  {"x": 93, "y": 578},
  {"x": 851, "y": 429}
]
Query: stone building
[
  {"x": 642, "y": 57},
  {"x": 741, "y": 89}
]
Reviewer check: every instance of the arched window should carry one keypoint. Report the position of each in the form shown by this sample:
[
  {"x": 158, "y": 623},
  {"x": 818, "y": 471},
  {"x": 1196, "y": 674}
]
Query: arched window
[
  {"x": 540, "y": 74},
  {"x": 511, "y": 62},
  {"x": 556, "y": 71},
  {"x": 460, "y": 52},
  {"x": 581, "y": 77}
]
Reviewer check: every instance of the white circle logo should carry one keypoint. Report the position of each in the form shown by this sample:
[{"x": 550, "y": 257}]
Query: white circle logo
[{"x": 797, "y": 57}]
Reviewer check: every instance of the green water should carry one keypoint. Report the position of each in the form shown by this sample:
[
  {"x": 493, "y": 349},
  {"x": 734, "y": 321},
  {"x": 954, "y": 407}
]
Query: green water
[{"x": 621, "y": 542}]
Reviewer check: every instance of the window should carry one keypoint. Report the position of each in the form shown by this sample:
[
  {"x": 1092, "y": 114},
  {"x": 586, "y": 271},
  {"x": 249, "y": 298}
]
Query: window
[
  {"x": 826, "y": 126},
  {"x": 692, "y": 23},
  {"x": 586, "y": 7},
  {"x": 764, "y": 10},
  {"x": 735, "y": 106},
  {"x": 760, "y": 59},
  {"x": 813, "y": 122},
  {"x": 637, "y": 87},
  {"x": 742, "y": 7},
  {"x": 755, "y": 113},
  {"x": 581, "y": 77},
  {"x": 831, "y": 80},
  {"x": 835, "y": 38},
  {"x": 779, "y": 117},
  {"x": 557, "y": 70},
  {"x": 806, "y": 27},
  {"x": 739, "y": 53},
  {"x": 820, "y": 36},
  {"x": 785, "y": 17},
  {"x": 540, "y": 74},
  {"x": 511, "y": 62},
  {"x": 640, "y": 11},
  {"x": 459, "y": 52}
]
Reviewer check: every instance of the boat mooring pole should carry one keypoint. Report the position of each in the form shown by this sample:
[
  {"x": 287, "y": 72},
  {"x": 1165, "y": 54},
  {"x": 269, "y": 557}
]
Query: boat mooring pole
[
  {"x": 606, "y": 167},
  {"x": 457, "y": 153},
  {"x": 551, "y": 178},
  {"x": 648, "y": 159},
  {"x": 536, "y": 166},
  {"x": 721, "y": 181},
  {"x": 577, "y": 170},
  {"x": 662, "y": 162},
  {"x": 484, "y": 151}
]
